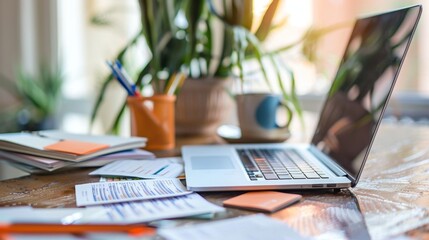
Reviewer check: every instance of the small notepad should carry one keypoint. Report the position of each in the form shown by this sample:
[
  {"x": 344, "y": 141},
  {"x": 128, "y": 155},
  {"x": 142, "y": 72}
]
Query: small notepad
[
  {"x": 265, "y": 201},
  {"x": 76, "y": 147}
]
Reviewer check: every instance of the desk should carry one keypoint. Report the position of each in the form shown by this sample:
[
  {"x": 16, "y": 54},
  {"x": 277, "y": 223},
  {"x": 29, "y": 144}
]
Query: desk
[{"x": 391, "y": 198}]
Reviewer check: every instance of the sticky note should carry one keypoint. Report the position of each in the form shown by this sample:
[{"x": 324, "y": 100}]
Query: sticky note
[
  {"x": 76, "y": 147},
  {"x": 265, "y": 201}
]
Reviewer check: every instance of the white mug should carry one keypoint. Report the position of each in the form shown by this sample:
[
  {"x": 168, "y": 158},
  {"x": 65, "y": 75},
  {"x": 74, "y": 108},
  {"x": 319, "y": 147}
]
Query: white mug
[{"x": 257, "y": 116}]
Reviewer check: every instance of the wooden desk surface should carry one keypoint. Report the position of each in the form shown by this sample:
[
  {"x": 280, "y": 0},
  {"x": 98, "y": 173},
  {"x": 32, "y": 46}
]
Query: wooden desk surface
[{"x": 392, "y": 197}]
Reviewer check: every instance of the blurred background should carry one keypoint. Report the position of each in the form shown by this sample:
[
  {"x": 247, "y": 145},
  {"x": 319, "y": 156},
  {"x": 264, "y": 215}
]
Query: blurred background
[{"x": 53, "y": 52}]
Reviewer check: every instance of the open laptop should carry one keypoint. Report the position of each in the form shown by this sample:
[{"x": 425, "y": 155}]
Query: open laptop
[{"x": 346, "y": 129}]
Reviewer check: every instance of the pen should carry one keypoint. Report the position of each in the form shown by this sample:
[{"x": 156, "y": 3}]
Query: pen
[
  {"x": 160, "y": 170},
  {"x": 116, "y": 74},
  {"x": 126, "y": 77},
  {"x": 6, "y": 228}
]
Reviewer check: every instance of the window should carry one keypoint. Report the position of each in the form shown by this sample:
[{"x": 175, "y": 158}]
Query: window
[{"x": 61, "y": 31}]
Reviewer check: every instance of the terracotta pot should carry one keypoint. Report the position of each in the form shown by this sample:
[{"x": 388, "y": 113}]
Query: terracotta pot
[{"x": 203, "y": 105}]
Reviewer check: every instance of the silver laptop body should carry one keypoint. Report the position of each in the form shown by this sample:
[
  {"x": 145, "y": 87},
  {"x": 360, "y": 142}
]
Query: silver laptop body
[{"x": 347, "y": 125}]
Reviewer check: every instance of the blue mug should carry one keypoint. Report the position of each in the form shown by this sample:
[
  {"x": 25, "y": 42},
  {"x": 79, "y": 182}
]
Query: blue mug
[{"x": 258, "y": 116}]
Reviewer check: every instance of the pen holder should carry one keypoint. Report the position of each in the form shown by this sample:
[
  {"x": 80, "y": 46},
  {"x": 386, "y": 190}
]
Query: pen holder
[{"x": 153, "y": 118}]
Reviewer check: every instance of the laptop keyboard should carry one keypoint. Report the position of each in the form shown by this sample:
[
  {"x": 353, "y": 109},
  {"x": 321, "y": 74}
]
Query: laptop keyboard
[{"x": 278, "y": 164}]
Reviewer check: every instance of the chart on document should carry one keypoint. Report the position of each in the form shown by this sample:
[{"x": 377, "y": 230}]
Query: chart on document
[{"x": 123, "y": 191}]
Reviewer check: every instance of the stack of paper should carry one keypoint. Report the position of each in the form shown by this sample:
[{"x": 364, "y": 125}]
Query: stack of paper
[
  {"x": 137, "y": 201},
  {"x": 53, "y": 150},
  {"x": 119, "y": 213},
  {"x": 119, "y": 202},
  {"x": 159, "y": 196},
  {"x": 123, "y": 197}
]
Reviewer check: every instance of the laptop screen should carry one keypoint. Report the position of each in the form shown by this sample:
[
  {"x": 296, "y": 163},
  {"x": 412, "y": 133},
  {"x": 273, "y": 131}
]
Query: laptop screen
[{"x": 362, "y": 86}]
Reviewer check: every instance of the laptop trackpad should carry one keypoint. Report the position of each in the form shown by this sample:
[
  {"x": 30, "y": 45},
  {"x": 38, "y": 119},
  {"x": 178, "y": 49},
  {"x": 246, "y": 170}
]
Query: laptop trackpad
[{"x": 212, "y": 162}]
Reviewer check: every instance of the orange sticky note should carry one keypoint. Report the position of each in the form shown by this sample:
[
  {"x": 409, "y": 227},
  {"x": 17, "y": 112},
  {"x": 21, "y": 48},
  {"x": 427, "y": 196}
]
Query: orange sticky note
[
  {"x": 76, "y": 147},
  {"x": 266, "y": 201}
]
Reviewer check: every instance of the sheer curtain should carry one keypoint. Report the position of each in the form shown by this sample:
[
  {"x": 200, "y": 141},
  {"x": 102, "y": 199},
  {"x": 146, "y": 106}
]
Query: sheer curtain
[
  {"x": 28, "y": 38},
  {"x": 85, "y": 47}
]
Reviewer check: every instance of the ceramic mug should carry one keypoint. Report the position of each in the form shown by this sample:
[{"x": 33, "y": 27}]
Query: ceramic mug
[{"x": 257, "y": 116}]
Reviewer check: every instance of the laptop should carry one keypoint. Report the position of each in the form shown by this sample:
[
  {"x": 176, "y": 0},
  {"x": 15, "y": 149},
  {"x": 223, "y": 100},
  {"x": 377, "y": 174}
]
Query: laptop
[{"x": 347, "y": 126}]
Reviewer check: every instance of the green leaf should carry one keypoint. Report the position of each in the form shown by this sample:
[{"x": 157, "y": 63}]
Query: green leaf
[
  {"x": 208, "y": 46},
  {"x": 293, "y": 96},
  {"x": 193, "y": 13},
  {"x": 173, "y": 63},
  {"x": 224, "y": 68},
  {"x": 41, "y": 90},
  {"x": 170, "y": 14},
  {"x": 286, "y": 97},
  {"x": 162, "y": 43},
  {"x": 100, "y": 20},
  {"x": 145, "y": 70},
  {"x": 258, "y": 56},
  {"x": 147, "y": 22},
  {"x": 241, "y": 45}
]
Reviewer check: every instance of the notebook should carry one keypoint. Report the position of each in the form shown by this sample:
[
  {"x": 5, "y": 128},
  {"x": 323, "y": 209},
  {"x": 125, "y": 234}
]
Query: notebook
[
  {"x": 346, "y": 129},
  {"x": 67, "y": 146},
  {"x": 48, "y": 164}
]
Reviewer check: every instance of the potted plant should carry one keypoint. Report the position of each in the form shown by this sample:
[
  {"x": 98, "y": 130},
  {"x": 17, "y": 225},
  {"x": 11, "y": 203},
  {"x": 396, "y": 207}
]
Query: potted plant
[
  {"x": 204, "y": 101},
  {"x": 190, "y": 50},
  {"x": 162, "y": 37},
  {"x": 36, "y": 96},
  {"x": 247, "y": 46}
]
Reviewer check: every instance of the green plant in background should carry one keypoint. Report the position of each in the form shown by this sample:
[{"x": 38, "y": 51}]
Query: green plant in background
[{"x": 37, "y": 99}]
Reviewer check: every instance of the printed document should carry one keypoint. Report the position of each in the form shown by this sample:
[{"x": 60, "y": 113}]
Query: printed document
[
  {"x": 159, "y": 168},
  {"x": 124, "y": 191},
  {"x": 251, "y": 227},
  {"x": 150, "y": 210}
]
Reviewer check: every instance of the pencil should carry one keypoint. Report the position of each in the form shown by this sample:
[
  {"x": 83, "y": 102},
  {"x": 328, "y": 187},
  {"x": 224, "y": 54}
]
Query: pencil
[
  {"x": 73, "y": 228},
  {"x": 177, "y": 81},
  {"x": 170, "y": 83}
]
